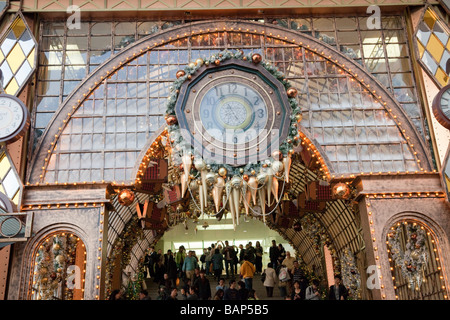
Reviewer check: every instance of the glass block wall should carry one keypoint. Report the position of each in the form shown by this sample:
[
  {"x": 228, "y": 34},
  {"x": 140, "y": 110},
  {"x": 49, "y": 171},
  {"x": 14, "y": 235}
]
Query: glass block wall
[
  {"x": 68, "y": 56},
  {"x": 104, "y": 136}
]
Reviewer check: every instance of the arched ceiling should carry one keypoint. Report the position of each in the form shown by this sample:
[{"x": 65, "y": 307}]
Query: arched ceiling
[{"x": 51, "y": 136}]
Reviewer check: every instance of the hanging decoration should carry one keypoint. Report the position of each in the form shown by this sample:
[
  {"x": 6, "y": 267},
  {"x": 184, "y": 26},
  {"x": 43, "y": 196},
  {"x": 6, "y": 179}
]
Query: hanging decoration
[
  {"x": 216, "y": 188},
  {"x": 125, "y": 197},
  {"x": 350, "y": 274},
  {"x": 413, "y": 260}
]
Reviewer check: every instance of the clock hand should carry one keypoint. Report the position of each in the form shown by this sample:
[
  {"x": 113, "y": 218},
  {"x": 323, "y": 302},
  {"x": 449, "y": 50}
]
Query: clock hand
[{"x": 234, "y": 114}]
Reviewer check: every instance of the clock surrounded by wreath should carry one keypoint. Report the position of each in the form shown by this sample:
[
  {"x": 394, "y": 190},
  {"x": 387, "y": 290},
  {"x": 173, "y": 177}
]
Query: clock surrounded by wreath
[
  {"x": 235, "y": 113},
  {"x": 14, "y": 118},
  {"x": 441, "y": 106}
]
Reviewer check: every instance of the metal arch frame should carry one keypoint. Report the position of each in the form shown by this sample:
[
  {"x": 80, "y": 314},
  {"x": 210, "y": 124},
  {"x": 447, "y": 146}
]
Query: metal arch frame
[{"x": 82, "y": 91}]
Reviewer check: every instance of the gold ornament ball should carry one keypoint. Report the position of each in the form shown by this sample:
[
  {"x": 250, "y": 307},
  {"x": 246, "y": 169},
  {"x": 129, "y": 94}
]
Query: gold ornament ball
[
  {"x": 245, "y": 177},
  {"x": 189, "y": 77},
  {"x": 222, "y": 172},
  {"x": 125, "y": 197},
  {"x": 341, "y": 191},
  {"x": 256, "y": 58},
  {"x": 299, "y": 117},
  {"x": 191, "y": 65},
  {"x": 199, "y": 62},
  {"x": 171, "y": 120},
  {"x": 217, "y": 62},
  {"x": 277, "y": 155},
  {"x": 180, "y": 74},
  {"x": 291, "y": 92}
]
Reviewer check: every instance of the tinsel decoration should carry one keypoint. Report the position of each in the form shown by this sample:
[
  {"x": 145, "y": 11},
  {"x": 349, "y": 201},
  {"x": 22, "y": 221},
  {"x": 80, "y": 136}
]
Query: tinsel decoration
[
  {"x": 350, "y": 274},
  {"x": 413, "y": 261}
]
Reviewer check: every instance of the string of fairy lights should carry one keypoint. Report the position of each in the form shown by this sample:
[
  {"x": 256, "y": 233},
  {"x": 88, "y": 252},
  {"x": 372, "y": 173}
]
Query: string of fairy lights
[
  {"x": 370, "y": 212},
  {"x": 306, "y": 142}
]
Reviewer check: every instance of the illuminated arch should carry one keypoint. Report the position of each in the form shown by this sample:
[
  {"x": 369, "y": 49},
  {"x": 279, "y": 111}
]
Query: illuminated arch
[{"x": 51, "y": 136}]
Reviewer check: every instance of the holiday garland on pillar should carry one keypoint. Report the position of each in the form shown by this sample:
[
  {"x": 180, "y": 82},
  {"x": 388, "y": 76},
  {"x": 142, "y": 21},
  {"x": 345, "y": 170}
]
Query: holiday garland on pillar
[
  {"x": 122, "y": 247},
  {"x": 350, "y": 274}
]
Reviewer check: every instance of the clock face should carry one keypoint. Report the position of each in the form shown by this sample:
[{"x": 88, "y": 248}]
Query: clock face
[
  {"x": 233, "y": 112},
  {"x": 445, "y": 103},
  {"x": 441, "y": 107},
  {"x": 13, "y": 118}
]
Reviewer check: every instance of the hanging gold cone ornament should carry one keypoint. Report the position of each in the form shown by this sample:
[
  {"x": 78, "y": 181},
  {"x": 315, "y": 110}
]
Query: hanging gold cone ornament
[
  {"x": 236, "y": 201},
  {"x": 274, "y": 188},
  {"x": 268, "y": 188},
  {"x": 204, "y": 187},
  {"x": 184, "y": 182},
  {"x": 262, "y": 202},
  {"x": 217, "y": 192},
  {"x": 236, "y": 183},
  {"x": 230, "y": 195},
  {"x": 253, "y": 185},
  {"x": 287, "y": 167},
  {"x": 201, "y": 197},
  {"x": 187, "y": 164}
]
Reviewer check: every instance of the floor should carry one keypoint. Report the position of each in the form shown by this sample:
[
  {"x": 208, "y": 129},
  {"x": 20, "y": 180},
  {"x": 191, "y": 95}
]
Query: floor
[{"x": 152, "y": 288}]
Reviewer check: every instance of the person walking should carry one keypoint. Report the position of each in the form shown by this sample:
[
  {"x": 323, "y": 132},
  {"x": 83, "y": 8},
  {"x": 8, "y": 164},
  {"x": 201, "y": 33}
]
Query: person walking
[
  {"x": 189, "y": 265},
  {"x": 289, "y": 263},
  {"x": 203, "y": 286},
  {"x": 271, "y": 279},
  {"x": 229, "y": 254},
  {"x": 231, "y": 293},
  {"x": 179, "y": 259},
  {"x": 312, "y": 292},
  {"x": 247, "y": 271},
  {"x": 338, "y": 290},
  {"x": 208, "y": 257},
  {"x": 273, "y": 254},
  {"x": 217, "y": 261}
]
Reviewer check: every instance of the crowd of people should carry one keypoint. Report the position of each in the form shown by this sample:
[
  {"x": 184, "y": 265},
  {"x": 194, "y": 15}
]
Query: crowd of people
[{"x": 184, "y": 275}]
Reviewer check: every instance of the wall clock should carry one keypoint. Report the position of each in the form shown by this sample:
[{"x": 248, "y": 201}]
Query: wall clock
[
  {"x": 441, "y": 106},
  {"x": 234, "y": 113},
  {"x": 14, "y": 118}
]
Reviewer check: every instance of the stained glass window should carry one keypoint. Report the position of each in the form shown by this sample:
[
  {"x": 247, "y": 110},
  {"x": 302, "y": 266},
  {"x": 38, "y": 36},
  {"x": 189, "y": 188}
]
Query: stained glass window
[
  {"x": 433, "y": 43},
  {"x": 10, "y": 184},
  {"x": 17, "y": 55}
]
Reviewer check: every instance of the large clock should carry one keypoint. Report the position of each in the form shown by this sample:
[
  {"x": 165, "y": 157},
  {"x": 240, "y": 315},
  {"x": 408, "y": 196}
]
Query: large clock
[
  {"x": 441, "y": 106},
  {"x": 235, "y": 113},
  {"x": 14, "y": 118}
]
